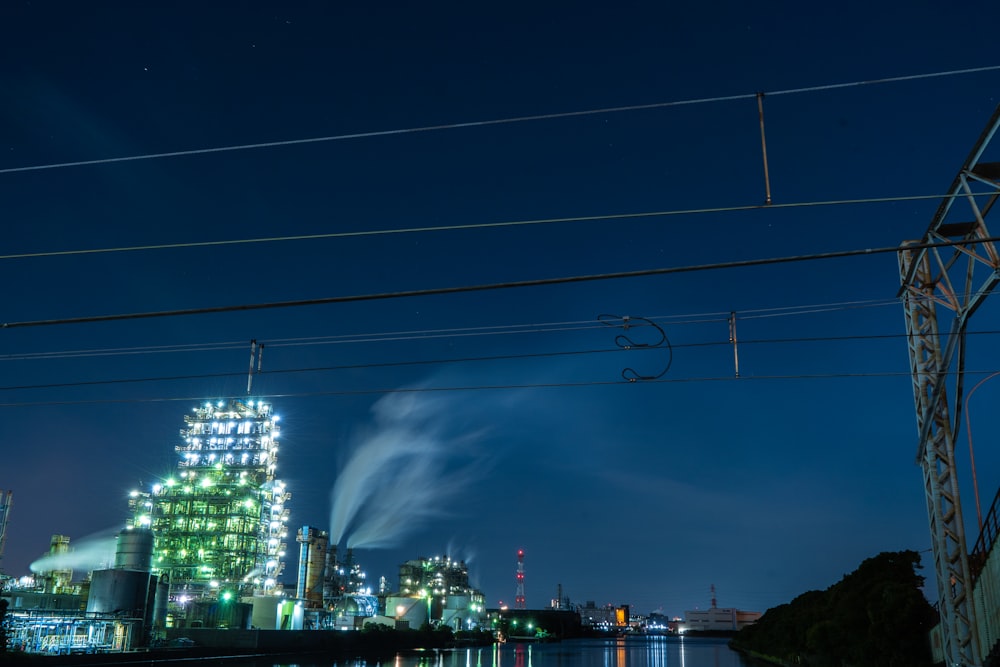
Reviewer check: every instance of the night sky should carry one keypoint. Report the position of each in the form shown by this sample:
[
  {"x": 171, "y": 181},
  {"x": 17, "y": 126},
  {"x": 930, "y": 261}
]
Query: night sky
[{"x": 476, "y": 423}]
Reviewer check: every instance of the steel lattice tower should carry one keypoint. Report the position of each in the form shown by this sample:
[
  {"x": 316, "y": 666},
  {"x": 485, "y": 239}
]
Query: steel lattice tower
[
  {"x": 6, "y": 502},
  {"x": 952, "y": 268},
  {"x": 519, "y": 602}
]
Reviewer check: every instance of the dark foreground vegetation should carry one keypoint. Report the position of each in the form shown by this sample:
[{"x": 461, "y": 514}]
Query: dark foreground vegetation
[{"x": 875, "y": 616}]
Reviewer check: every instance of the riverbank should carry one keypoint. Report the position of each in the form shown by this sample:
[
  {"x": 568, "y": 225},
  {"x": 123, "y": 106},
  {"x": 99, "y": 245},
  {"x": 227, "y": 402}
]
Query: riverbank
[{"x": 220, "y": 645}]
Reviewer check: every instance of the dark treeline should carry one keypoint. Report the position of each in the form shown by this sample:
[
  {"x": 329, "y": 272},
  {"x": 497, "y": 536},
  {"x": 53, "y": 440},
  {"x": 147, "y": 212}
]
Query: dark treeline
[{"x": 876, "y": 616}]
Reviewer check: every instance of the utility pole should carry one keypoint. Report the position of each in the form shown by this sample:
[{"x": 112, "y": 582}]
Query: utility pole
[{"x": 950, "y": 271}]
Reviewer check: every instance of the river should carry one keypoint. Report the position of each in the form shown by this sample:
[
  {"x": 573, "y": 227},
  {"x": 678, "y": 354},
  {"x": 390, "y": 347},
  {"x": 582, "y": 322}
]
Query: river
[{"x": 614, "y": 652}]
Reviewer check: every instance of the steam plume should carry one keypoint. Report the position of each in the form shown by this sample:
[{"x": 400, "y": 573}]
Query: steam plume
[
  {"x": 403, "y": 472},
  {"x": 92, "y": 552}
]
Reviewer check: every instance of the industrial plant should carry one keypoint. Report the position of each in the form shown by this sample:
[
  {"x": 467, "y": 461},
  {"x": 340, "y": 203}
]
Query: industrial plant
[
  {"x": 221, "y": 520},
  {"x": 202, "y": 553}
]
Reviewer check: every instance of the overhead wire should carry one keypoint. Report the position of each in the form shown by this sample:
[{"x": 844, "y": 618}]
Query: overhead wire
[
  {"x": 459, "y": 360},
  {"x": 490, "y": 387},
  {"x": 479, "y": 225},
  {"x": 456, "y": 332},
  {"x": 484, "y": 225},
  {"x": 436, "y": 291},
  {"x": 498, "y": 121}
]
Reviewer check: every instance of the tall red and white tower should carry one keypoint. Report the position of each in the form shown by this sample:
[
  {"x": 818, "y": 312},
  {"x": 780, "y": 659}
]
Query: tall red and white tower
[{"x": 519, "y": 597}]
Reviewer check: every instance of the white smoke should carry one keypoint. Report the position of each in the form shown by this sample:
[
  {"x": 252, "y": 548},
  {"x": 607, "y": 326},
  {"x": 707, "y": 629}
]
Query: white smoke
[
  {"x": 401, "y": 474},
  {"x": 93, "y": 552}
]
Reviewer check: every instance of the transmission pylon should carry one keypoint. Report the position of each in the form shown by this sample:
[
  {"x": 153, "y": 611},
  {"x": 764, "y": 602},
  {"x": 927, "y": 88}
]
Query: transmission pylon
[{"x": 951, "y": 269}]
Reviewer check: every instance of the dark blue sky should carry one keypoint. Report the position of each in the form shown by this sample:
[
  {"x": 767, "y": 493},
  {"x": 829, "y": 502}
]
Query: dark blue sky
[{"x": 645, "y": 493}]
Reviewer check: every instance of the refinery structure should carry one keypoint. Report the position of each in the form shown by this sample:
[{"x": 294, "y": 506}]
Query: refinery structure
[
  {"x": 203, "y": 551},
  {"x": 221, "y": 519}
]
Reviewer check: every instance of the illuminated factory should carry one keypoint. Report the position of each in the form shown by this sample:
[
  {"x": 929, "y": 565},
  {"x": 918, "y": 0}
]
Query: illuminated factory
[
  {"x": 203, "y": 552},
  {"x": 220, "y": 520},
  {"x": 436, "y": 591}
]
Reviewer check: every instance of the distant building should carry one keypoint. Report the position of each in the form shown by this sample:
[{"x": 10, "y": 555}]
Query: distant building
[
  {"x": 717, "y": 619},
  {"x": 603, "y": 618},
  {"x": 436, "y": 591},
  {"x": 220, "y": 519}
]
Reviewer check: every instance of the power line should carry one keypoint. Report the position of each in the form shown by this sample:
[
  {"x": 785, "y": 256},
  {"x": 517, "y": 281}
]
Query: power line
[
  {"x": 492, "y": 387},
  {"x": 482, "y": 225},
  {"x": 458, "y": 360},
  {"x": 485, "y": 225},
  {"x": 538, "y": 282},
  {"x": 316, "y": 369},
  {"x": 496, "y": 121},
  {"x": 453, "y": 332}
]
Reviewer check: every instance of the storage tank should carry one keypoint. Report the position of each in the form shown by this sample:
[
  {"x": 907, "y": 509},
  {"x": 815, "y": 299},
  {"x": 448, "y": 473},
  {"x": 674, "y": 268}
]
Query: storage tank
[
  {"x": 160, "y": 602},
  {"x": 134, "y": 550},
  {"x": 119, "y": 592}
]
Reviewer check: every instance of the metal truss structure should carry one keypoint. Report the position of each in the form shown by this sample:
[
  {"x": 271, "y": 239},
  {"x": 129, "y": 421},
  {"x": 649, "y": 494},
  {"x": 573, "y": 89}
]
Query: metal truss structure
[{"x": 952, "y": 268}]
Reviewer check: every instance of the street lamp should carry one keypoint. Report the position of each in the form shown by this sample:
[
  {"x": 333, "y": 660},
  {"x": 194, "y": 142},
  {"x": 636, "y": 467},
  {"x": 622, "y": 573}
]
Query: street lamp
[{"x": 972, "y": 456}]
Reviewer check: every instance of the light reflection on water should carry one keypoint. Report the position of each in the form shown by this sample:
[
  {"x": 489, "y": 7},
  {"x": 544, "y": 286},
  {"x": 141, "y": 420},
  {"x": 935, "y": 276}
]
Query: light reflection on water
[{"x": 613, "y": 652}]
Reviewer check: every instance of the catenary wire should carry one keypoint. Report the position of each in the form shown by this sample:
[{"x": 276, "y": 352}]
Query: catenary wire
[
  {"x": 457, "y": 332},
  {"x": 437, "y": 291},
  {"x": 459, "y": 360},
  {"x": 491, "y": 387},
  {"x": 483, "y": 225},
  {"x": 498, "y": 121}
]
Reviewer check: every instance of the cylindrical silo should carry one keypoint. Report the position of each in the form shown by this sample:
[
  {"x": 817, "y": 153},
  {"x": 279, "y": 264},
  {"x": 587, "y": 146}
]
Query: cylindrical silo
[
  {"x": 119, "y": 592},
  {"x": 160, "y": 602},
  {"x": 134, "y": 550}
]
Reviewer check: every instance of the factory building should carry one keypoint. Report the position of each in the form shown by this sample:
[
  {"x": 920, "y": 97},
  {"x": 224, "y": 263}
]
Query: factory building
[
  {"x": 220, "y": 520},
  {"x": 436, "y": 591},
  {"x": 607, "y": 617},
  {"x": 717, "y": 619},
  {"x": 330, "y": 592},
  {"x": 115, "y": 609}
]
